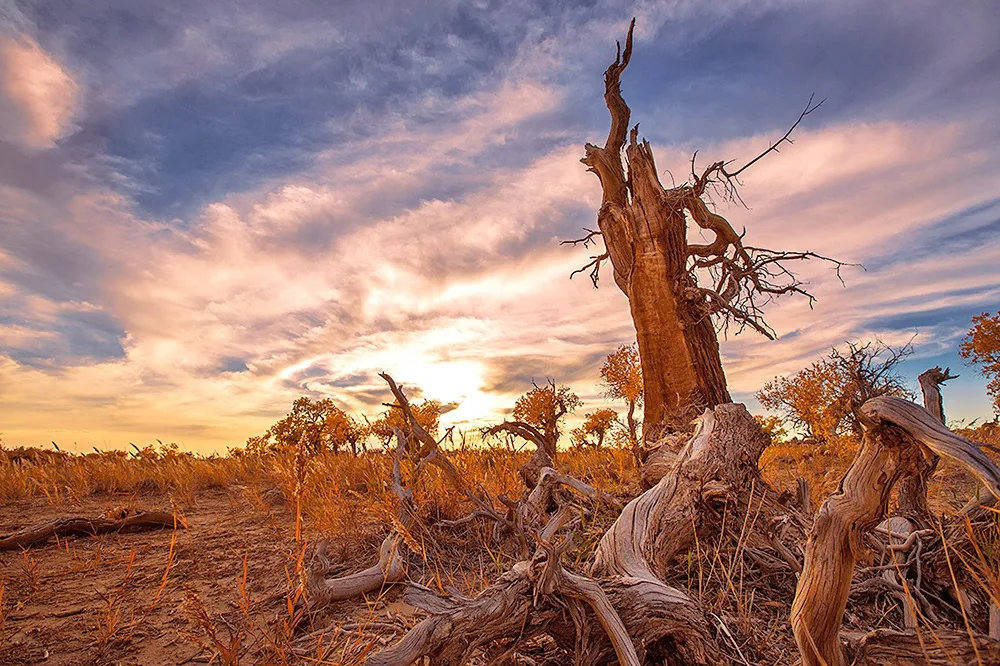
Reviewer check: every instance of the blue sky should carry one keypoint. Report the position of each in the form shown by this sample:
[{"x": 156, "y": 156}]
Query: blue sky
[{"x": 208, "y": 209}]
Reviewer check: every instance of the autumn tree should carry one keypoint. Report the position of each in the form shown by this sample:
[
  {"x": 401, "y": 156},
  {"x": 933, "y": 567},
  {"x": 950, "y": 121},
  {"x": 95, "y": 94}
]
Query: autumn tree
[
  {"x": 678, "y": 292},
  {"x": 536, "y": 418},
  {"x": 596, "y": 426},
  {"x": 981, "y": 347},
  {"x": 426, "y": 413},
  {"x": 622, "y": 376},
  {"x": 823, "y": 398},
  {"x": 319, "y": 424}
]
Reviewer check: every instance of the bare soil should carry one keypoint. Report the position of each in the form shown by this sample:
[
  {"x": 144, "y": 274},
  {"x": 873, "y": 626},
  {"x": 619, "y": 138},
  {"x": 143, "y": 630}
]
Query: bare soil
[{"x": 94, "y": 600}]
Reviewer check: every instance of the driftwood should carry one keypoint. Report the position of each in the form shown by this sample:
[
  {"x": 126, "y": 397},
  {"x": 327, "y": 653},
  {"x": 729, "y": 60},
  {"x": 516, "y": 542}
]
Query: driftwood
[
  {"x": 391, "y": 566},
  {"x": 82, "y": 526},
  {"x": 913, "y": 488},
  {"x": 641, "y": 617},
  {"x": 898, "y": 436}
]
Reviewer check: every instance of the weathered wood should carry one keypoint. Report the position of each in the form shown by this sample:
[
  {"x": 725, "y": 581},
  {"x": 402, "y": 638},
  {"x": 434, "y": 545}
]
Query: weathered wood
[
  {"x": 392, "y": 563},
  {"x": 913, "y": 489},
  {"x": 675, "y": 289},
  {"x": 661, "y": 457},
  {"x": 884, "y": 647},
  {"x": 644, "y": 232},
  {"x": 391, "y": 568},
  {"x": 802, "y": 498},
  {"x": 82, "y": 526},
  {"x": 718, "y": 463},
  {"x": 898, "y": 435},
  {"x": 660, "y": 627}
]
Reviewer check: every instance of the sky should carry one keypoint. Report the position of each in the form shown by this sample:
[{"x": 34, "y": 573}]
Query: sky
[{"x": 208, "y": 209}]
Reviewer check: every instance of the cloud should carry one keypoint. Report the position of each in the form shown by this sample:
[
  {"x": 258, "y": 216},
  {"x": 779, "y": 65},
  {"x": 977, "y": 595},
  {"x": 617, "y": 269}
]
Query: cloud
[
  {"x": 38, "y": 98},
  {"x": 468, "y": 301},
  {"x": 245, "y": 216}
]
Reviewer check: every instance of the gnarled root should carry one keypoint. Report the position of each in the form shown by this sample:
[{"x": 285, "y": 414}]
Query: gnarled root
[
  {"x": 642, "y": 621},
  {"x": 390, "y": 568},
  {"x": 627, "y": 593}
]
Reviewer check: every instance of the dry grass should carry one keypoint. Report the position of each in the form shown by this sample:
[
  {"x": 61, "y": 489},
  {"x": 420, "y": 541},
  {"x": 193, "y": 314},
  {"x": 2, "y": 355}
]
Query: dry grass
[{"x": 228, "y": 589}]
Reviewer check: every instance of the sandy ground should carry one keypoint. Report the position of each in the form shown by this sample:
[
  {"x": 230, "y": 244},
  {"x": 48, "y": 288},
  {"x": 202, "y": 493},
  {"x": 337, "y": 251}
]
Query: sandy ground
[{"x": 93, "y": 600}]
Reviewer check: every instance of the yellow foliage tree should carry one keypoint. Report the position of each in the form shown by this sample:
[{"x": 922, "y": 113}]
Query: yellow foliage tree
[
  {"x": 622, "y": 375},
  {"x": 595, "y": 428},
  {"x": 823, "y": 398},
  {"x": 544, "y": 406},
  {"x": 319, "y": 424},
  {"x": 427, "y": 414},
  {"x": 981, "y": 347}
]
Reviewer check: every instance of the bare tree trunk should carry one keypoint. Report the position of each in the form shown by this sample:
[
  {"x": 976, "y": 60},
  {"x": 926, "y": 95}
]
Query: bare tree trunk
[
  {"x": 913, "y": 489},
  {"x": 645, "y": 237}
]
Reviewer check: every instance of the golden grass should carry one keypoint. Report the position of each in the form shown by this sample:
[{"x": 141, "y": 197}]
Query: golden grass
[{"x": 347, "y": 500}]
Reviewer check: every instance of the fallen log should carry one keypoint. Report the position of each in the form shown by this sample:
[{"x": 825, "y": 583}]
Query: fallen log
[
  {"x": 884, "y": 647},
  {"x": 83, "y": 526}
]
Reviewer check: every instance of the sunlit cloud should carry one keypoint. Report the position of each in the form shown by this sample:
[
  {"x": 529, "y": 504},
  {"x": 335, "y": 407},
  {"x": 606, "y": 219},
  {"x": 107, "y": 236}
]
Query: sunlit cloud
[
  {"x": 417, "y": 231},
  {"x": 38, "y": 98}
]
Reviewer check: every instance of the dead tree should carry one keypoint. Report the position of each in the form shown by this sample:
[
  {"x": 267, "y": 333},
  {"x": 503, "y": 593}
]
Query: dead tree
[
  {"x": 675, "y": 289},
  {"x": 545, "y": 449},
  {"x": 913, "y": 489},
  {"x": 642, "y": 618},
  {"x": 898, "y": 436},
  {"x": 545, "y": 405},
  {"x": 422, "y": 449}
]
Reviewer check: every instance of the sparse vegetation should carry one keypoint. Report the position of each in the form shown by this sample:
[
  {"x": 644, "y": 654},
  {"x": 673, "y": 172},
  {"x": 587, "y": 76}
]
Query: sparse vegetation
[
  {"x": 697, "y": 541},
  {"x": 254, "y": 614},
  {"x": 822, "y": 400}
]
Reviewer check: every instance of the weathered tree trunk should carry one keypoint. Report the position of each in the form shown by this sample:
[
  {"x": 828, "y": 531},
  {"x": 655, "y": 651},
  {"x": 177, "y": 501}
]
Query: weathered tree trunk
[
  {"x": 913, "y": 489},
  {"x": 717, "y": 465},
  {"x": 644, "y": 231},
  {"x": 892, "y": 648},
  {"x": 898, "y": 435}
]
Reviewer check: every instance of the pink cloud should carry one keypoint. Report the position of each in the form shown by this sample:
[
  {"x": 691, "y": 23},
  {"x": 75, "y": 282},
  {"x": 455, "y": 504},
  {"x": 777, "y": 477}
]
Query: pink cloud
[
  {"x": 41, "y": 97},
  {"x": 453, "y": 295}
]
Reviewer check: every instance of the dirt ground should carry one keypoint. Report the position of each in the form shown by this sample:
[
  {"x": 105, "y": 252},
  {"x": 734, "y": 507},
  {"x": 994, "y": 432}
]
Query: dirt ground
[{"x": 96, "y": 600}]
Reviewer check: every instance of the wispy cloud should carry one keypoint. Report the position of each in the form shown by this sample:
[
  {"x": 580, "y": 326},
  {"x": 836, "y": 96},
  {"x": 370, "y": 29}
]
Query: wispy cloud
[{"x": 40, "y": 98}]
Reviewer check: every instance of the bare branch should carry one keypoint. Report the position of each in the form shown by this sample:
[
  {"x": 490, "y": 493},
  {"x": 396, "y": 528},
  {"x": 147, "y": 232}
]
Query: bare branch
[
  {"x": 810, "y": 107},
  {"x": 613, "y": 96},
  {"x": 586, "y": 241},
  {"x": 595, "y": 268}
]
